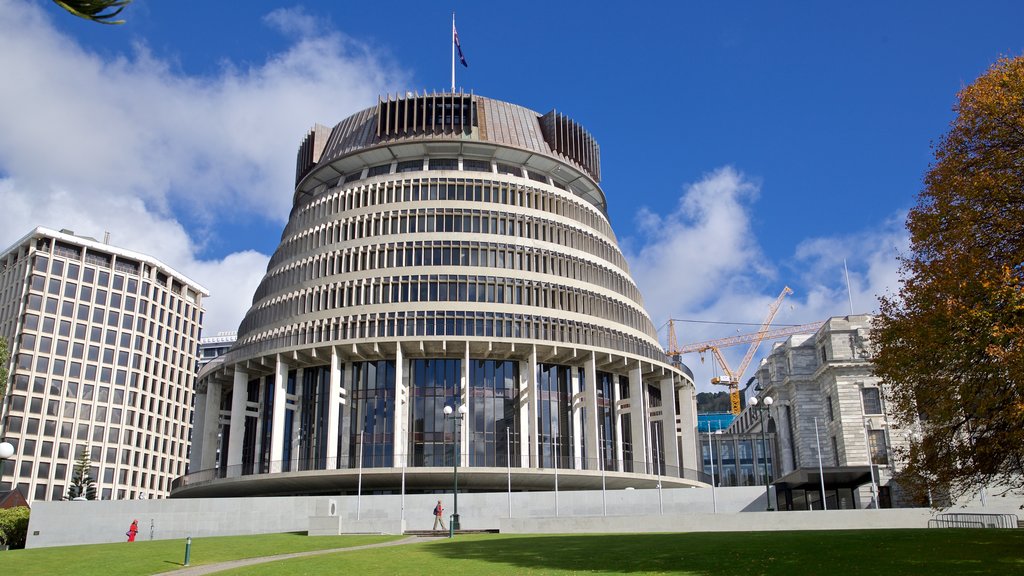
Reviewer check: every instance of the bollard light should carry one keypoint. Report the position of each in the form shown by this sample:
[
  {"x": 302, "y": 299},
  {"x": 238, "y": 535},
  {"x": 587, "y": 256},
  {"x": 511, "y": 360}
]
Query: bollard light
[{"x": 188, "y": 549}]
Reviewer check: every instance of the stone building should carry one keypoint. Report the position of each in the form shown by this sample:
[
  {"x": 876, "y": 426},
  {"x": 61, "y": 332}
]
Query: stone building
[{"x": 827, "y": 398}]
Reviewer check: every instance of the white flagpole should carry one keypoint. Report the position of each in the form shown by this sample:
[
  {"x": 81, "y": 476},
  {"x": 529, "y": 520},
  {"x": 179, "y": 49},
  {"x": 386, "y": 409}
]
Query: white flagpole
[
  {"x": 849, "y": 292},
  {"x": 453, "y": 52}
]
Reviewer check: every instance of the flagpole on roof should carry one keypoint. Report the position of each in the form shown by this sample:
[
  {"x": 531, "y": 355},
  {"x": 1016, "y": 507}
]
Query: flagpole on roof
[{"x": 453, "y": 52}]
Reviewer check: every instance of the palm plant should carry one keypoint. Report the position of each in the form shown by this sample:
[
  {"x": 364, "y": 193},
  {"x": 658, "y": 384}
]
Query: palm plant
[{"x": 101, "y": 11}]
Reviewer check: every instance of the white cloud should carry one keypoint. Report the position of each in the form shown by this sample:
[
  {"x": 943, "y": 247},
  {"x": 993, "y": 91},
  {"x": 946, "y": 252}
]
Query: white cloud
[
  {"x": 702, "y": 261},
  {"x": 162, "y": 159}
]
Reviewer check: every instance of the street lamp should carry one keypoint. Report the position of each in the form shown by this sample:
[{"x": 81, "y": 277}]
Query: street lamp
[
  {"x": 761, "y": 408},
  {"x": 462, "y": 410},
  {"x": 6, "y": 451}
]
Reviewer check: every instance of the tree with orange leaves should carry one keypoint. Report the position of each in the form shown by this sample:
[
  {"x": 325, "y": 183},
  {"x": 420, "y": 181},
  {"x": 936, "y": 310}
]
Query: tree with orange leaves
[{"x": 950, "y": 345}]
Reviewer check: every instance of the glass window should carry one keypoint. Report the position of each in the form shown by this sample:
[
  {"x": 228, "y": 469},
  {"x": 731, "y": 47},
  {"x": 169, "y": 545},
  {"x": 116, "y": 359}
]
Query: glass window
[
  {"x": 872, "y": 400},
  {"x": 410, "y": 166},
  {"x": 444, "y": 164},
  {"x": 509, "y": 169},
  {"x": 476, "y": 165},
  {"x": 879, "y": 451},
  {"x": 378, "y": 170}
]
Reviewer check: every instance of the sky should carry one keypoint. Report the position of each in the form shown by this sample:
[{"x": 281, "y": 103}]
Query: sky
[{"x": 745, "y": 146}]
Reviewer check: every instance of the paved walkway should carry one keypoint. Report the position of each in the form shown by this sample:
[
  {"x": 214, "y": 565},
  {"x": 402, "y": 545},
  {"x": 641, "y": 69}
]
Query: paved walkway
[{"x": 211, "y": 568}]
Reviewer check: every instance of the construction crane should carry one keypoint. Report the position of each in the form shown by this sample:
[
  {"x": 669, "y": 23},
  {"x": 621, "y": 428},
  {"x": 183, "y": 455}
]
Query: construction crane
[{"x": 732, "y": 377}]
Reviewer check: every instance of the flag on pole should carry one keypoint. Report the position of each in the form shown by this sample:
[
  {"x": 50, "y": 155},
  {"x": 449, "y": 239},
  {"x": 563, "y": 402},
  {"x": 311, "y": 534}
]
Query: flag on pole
[{"x": 455, "y": 38}]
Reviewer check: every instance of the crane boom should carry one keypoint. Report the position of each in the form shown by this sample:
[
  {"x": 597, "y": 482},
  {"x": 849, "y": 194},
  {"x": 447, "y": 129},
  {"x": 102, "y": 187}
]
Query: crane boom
[
  {"x": 745, "y": 338},
  {"x": 732, "y": 377},
  {"x": 772, "y": 310}
]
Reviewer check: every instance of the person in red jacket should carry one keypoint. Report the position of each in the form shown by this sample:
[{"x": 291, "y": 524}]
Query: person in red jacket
[
  {"x": 133, "y": 530},
  {"x": 439, "y": 516}
]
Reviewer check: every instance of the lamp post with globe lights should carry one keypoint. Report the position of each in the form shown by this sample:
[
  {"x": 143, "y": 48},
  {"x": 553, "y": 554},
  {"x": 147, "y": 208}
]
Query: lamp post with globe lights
[
  {"x": 448, "y": 415},
  {"x": 761, "y": 407}
]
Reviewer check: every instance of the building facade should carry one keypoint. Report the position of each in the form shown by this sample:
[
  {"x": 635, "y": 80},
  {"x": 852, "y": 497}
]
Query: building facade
[
  {"x": 443, "y": 250},
  {"x": 103, "y": 345},
  {"x": 828, "y": 401}
]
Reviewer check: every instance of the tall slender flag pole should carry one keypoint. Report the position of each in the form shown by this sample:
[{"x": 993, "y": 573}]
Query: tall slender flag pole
[
  {"x": 456, "y": 46},
  {"x": 453, "y": 52}
]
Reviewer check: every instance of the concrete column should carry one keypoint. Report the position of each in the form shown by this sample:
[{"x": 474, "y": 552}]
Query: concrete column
[
  {"x": 786, "y": 463},
  {"x": 238, "y": 400},
  {"x": 669, "y": 439},
  {"x": 638, "y": 420},
  {"x": 577, "y": 402},
  {"x": 277, "y": 438},
  {"x": 260, "y": 416},
  {"x": 689, "y": 436},
  {"x": 298, "y": 432},
  {"x": 346, "y": 399},
  {"x": 402, "y": 410},
  {"x": 616, "y": 397},
  {"x": 463, "y": 396},
  {"x": 204, "y": 434},
  {"x": 333, "y": 413},
  {"x": 591, "y": 433},
  {"x": 211, "y": 425},
  {"x": 529, "y": 432}
]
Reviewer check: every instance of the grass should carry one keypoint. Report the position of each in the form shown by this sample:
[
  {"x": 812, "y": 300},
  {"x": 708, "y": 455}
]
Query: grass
[
  {"x": 833, "y": 553},
  {"x": 164, "y": 555},
  {"x": 829, "y": 553}
]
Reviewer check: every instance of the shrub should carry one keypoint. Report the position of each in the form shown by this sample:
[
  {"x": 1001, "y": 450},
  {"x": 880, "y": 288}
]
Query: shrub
[{"x": 14, "y": 526}]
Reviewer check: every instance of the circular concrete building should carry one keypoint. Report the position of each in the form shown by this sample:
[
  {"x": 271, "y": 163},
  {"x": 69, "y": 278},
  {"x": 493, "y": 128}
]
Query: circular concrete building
[{"x": 444, "y": 250}]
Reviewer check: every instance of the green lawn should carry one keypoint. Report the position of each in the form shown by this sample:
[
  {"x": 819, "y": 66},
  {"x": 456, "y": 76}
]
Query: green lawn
[
  {"x": 829, "y": 553},
  {"x": 855, "y": 552},
  {"x": 140, "y": 558}
]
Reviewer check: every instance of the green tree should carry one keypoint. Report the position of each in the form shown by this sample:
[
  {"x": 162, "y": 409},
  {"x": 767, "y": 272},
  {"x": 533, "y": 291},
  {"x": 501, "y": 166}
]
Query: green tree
[
  {"x": 950, "y": 345},
  {"x": 713, "y": 402},
  {"x": 14, "y": 526},
  {"x": 82, "y": 484},
  {"x": 102, "y": 11}
]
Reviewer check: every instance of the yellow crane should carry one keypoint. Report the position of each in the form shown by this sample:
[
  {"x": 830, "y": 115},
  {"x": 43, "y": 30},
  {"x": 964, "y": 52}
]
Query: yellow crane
[{"x": 731, "y": 378}]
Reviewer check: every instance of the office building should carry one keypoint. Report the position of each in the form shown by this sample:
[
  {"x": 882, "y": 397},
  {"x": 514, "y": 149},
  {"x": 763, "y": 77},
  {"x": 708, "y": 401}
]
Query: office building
[{"x": 103, "y": 344}]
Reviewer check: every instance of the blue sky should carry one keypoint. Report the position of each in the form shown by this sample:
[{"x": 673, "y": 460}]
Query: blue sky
[{"x": 745, "y": 145}]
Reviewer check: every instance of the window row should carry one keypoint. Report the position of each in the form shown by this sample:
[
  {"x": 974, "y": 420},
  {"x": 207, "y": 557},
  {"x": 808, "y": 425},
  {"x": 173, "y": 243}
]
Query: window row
[
  {"x": 157, "y": 293},
  {"x": 165, "y": 345},
  {"x": 449, "y": 288},
  {"x": 455, "y": 221},
  {"x": 446, "y": 253},
  {"x": 449, "y": 323},
  {"x": 341, "y": 200}
]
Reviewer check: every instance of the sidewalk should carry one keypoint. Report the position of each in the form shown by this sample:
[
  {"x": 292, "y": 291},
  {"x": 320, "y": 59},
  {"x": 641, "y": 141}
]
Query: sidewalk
[{"x": 211, "y": 568}]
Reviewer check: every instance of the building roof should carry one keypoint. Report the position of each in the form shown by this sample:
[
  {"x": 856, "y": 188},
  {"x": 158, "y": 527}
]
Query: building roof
[
  {"x": 450, "y": 124},
  {"x": 70, "y": 237},
  {"x": 12, "y": 499}
]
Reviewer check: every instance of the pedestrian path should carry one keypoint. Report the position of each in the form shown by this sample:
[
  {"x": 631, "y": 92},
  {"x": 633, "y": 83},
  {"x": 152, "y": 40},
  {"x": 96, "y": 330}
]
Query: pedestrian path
[{"x": 212, "y": 568}]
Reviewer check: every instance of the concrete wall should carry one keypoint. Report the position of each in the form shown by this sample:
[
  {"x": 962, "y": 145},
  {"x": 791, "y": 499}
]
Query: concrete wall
[
  {"x": 730, "y": 522},
  {"x": 66, "y": 523},
  {"x": 670, "y": 510}
]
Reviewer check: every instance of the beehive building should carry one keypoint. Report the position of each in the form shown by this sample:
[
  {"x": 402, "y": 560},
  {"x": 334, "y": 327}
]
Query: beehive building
[{"x": 444, "y": 250}]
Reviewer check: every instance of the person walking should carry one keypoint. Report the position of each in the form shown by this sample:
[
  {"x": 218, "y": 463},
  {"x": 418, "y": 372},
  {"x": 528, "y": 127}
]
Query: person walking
[
  {"x": 439, "y": 516},
  {"x": 132, "y": 530}
]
